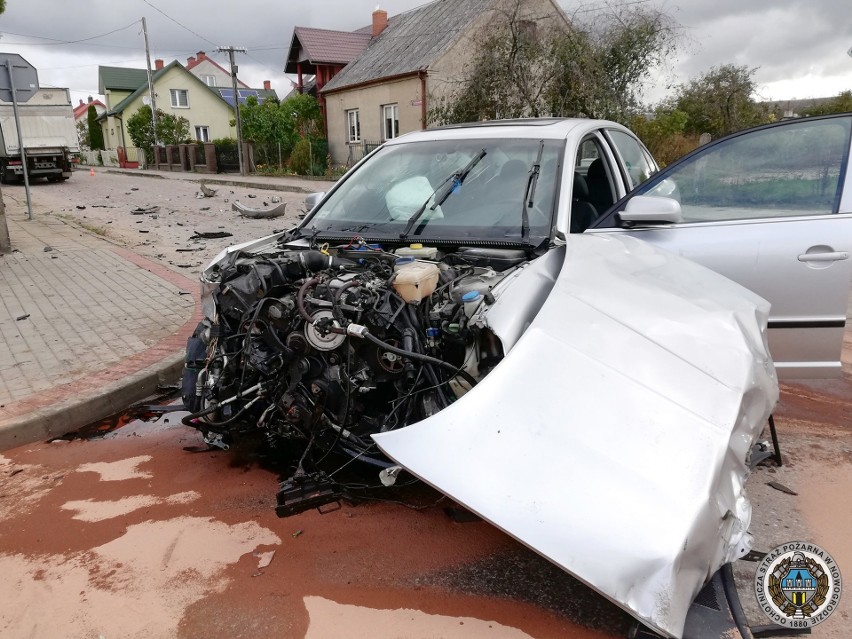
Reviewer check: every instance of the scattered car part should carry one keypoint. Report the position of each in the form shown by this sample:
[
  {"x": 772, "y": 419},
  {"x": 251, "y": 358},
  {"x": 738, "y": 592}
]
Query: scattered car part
[
  {"x": 210, "y": 235},
  {"x": 247, "y": 211}
]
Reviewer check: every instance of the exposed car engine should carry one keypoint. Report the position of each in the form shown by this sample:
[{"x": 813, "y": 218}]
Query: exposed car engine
[{"x": 317, "y": 349}]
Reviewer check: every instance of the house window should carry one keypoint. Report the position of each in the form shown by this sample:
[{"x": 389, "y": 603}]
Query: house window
[
  {"x": 180, "y": 98},
  {"x": 202, "y": 133},
  {"x": 390, "y": 121},
  {"x": 354, "y": 126},
  {"x": 209, "y": 80}
]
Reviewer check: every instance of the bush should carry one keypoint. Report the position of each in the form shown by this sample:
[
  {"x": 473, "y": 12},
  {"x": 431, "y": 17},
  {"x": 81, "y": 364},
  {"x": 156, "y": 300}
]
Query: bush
[{"x": 309, "y": 156}]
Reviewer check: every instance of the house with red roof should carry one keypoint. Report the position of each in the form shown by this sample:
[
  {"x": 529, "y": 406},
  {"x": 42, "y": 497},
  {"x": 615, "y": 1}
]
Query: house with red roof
[
  {"x": 81, "y": 111},
  {"x": 379, "y": 81}
]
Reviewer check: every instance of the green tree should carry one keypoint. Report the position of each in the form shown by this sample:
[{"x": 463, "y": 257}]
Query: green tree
[
  {"x": 840, "y": 104},
  {"x": 94, "y": 130},
  {"x": 664, "y": 133},
  {"x": 83, "y": 134},
  {"x": 721, "y": 101},
  {"x": 594, "y": 66},
  {"x": 141, "y": 131},
  {"x": 295, "y": 123},
  {"x": 170, "y": 129}
]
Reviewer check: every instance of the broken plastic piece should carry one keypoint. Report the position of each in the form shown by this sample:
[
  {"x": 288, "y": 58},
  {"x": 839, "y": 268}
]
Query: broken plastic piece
[
  {"x": 247, "y": 211},
  {"x": 298, "y": 494}
]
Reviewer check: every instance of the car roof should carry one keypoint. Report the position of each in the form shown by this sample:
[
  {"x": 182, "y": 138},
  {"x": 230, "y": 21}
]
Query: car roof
[{"x": 538, "y": 128}]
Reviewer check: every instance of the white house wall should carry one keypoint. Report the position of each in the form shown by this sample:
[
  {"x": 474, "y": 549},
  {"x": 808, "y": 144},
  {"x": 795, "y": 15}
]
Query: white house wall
[{"x": 369, "y": 101}]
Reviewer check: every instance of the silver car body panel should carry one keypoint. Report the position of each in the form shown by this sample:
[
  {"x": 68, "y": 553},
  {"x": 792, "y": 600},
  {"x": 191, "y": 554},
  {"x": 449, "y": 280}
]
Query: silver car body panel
[
  {"x": 645, "y": 379},
  {"x": 809, "y": 299}
]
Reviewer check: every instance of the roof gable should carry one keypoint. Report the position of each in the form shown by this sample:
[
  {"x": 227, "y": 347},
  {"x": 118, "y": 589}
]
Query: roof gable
[
  {"x": 143, "y": 88},
  {"x": 80, "y": 109},
  {"x": 324, "y": 46},
  {"x": 120, "y": 78},
  {"x": 195, "y": 62},
  {"x": 411, "y": 42}
]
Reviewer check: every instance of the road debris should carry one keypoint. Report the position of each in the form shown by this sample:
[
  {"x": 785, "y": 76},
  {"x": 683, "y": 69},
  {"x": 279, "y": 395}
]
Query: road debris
[
  {"x": 779, "y": 486},
  {"x": 142, "y": 210},
  {"x": 22, "y": 317},
  {"x": 210, "y": 235},
  {"x": 253, "y": 213},
  {"x": 207, "y": 191},
  {"x": 264, "y": 558}
]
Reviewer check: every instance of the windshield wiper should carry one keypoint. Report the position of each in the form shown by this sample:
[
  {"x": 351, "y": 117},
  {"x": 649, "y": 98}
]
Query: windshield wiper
[
  {"x": 529, "y": 195},
  {"x": 457, "y": 178}
]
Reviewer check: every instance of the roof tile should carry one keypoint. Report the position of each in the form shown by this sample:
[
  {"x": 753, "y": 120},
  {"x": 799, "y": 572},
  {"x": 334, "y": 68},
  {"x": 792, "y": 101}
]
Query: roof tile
[{"x": 411, "y": 42}]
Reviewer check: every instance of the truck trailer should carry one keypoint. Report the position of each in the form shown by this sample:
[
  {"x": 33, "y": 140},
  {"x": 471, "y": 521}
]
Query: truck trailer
[{"x": 50, "y": 137}]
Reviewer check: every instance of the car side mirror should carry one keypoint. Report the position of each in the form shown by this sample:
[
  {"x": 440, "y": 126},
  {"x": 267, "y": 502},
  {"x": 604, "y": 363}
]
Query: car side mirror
[
  {"x": 312, "y": 200},
  {"x": 649, "y": 209}
]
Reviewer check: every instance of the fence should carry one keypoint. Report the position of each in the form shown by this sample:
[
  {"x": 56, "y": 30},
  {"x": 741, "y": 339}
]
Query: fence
[
  {"x": 358, "y": 151},
  {"x": 133, "y": 157}
]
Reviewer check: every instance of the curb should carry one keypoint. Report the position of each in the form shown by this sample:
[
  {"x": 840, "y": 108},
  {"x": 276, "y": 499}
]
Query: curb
[
  {"x": 67, "y": 416},
  {"x": 264, "y": 186}
]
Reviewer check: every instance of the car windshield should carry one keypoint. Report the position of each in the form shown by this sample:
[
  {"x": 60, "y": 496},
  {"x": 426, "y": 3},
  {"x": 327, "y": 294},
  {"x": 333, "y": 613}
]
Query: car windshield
[{"x": 448, "y": 189}]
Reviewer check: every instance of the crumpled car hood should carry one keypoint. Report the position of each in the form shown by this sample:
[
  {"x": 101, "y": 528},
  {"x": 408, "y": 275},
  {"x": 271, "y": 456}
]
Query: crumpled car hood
[{"x": 613, "y": 437}]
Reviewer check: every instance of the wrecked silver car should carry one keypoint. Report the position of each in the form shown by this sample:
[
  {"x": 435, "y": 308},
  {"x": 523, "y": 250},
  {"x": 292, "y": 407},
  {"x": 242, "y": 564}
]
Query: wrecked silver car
[{"x": 448, "y": 310}]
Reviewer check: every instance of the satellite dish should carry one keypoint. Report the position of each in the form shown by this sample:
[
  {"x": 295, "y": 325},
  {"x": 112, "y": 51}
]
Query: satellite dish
[{"x": 146, "y": 100}]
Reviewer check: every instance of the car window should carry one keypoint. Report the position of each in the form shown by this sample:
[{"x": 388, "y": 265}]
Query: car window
[
  {"x": 452, "y": 189},
  {"x": 788, "y": 170},
  {"x": 593, "y": 191},
  {"x": 636, "y": 162}
]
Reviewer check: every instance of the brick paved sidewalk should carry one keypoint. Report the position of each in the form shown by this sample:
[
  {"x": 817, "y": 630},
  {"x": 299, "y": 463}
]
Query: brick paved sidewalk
[{"x": 86, "y": 327}]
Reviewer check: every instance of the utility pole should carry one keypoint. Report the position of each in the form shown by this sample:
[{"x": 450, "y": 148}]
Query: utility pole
[
  {"x": 150, "y": 83},
  {"x": 234, "y": 69},
  {"x": 24, "y": 169}
]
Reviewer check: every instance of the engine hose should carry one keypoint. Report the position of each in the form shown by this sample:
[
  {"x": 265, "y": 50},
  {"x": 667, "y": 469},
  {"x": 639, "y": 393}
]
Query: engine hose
[
  {"x": 300, "y": 298},
  {"x": 231, "y": 419},
  {"x": 188, "y": 419},
  {"x": 418, "y": 356},
  {"x": 335, "y": 307}
]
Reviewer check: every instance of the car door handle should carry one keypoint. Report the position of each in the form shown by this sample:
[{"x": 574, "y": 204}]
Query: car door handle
[{"x": 834, "y": 256}]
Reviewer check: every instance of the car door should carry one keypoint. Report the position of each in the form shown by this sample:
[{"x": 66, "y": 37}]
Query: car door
[{"x": 767, "y": 208}]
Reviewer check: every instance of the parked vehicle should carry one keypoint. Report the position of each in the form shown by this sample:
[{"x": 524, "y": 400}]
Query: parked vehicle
[
  {"x": 50, "y": 137},
  {"x": 475, "y": 305}
]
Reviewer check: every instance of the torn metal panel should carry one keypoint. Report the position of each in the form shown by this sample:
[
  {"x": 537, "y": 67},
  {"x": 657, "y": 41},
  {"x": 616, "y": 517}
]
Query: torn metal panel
[
  {"x": 247, "y": 211},
  {"x": 613, "y": 437}
]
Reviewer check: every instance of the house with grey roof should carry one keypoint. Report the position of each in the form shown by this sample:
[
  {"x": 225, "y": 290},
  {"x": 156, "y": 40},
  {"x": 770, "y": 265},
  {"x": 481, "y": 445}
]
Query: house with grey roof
[{"x": 406, "y": 62}]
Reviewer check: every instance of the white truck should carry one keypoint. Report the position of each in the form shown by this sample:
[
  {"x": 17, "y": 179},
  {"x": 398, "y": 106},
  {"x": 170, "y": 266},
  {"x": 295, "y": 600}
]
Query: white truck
[{"x": 50, "y": 137}]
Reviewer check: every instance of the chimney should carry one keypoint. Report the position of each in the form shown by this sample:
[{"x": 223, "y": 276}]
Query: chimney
[
  {"x": 267, "y": 85},
  {"x": 190, "y": 61},
  {"x": 201, "y": 56},
  {"x": 380, "y": 21},
  {"x": 91, "y": 99},
  {"x": 158, "y": 64},
  {"x": 81, "y": 101}
]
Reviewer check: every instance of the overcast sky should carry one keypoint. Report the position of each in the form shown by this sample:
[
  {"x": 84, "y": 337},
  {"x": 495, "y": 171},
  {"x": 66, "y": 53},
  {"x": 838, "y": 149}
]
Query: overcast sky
[{"x": 800, "y": 46}]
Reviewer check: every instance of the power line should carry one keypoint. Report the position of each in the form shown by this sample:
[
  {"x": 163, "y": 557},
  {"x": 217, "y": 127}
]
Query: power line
[
  {"x": 56, "y": 41},
  {"x": 183, "y": 26}
]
